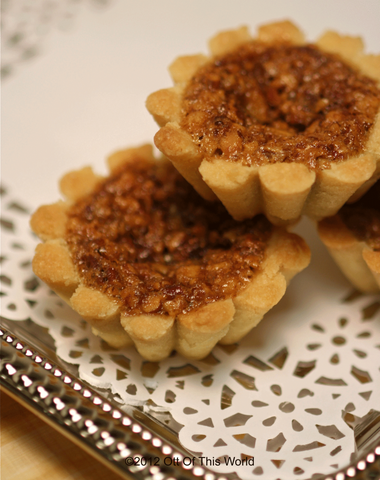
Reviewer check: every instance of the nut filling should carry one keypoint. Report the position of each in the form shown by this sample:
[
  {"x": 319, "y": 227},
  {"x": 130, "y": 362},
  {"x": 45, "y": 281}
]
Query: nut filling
[
  {"x": 282, "y": 103},
  {"x": 363, "y": 217},
  {"x": 145, "y": 238}
]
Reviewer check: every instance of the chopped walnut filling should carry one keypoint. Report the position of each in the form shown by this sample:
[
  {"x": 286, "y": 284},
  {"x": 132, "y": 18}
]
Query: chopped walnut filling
[
  {"x": 147, "y": 239},
  {"x": 363, "y": 217},
  {"x": 282, "y": 103}
]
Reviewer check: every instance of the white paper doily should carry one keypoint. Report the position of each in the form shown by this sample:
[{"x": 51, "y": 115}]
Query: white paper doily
[{"x": 288, "y": 395}]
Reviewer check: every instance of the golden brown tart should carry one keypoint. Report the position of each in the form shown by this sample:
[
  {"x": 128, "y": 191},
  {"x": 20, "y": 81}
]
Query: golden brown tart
[
  {"x": 146, "y": 261},
  {"x": 274, "y": 124},
  {"x": 352, "y": 236}
]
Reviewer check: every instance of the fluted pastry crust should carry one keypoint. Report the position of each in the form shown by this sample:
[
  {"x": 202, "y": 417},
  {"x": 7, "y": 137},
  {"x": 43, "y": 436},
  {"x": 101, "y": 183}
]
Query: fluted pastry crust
[
  {"x": 357, "y": 255},
  {"x": 283, "y": 191},
  {"x": 193, "y": 333}
]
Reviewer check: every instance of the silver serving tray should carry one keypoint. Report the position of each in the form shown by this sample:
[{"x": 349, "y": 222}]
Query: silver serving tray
[{"x": 32, "y": 374}]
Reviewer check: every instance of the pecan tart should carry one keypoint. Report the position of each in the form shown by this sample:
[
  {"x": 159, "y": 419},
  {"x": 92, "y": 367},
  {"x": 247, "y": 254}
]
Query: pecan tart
[
  {"x": 352, "y": 236},
  {"x": 145, "y": 260},
  {"x": 273, "y": 124}
]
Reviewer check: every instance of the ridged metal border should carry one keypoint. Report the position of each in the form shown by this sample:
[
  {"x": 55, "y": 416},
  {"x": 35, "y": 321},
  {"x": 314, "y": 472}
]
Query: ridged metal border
[
  {"x": 87, "y": 418},
  {"x": 104, "y": 430}
]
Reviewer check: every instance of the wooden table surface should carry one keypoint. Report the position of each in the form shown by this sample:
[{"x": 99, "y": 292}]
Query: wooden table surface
[{"x": 32, "y": 449}]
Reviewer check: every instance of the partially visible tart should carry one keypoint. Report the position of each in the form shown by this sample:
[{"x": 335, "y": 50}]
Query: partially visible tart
[
  {"x": 146, "y": 261},
  {"x": 274, "y": 125},
  {"x": 353, "y": 239}
]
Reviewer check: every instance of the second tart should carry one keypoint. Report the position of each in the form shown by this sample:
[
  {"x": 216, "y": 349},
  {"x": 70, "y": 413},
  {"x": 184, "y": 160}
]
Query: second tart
[{"x": 146, "y": 261}]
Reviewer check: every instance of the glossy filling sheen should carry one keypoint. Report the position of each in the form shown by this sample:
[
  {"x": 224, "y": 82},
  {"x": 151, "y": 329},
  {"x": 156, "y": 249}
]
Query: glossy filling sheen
[
  {"x": 282, "y": 103},
  {"x": 147, "y": 239},
  {"x": 363, "y": 217}
]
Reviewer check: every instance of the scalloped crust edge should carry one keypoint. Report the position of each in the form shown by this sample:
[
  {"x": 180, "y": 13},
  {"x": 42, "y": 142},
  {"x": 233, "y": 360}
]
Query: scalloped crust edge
[
  {"x": 358, "y": 262},
  {"x": 246, "y": 191},
  {"x": 193, "y": 334}
]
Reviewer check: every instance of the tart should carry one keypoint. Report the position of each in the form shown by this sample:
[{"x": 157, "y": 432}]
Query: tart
[
  {"x": 144, "y": 259},
  {"x": 272, "y": 124},
  {"x": 352, "y": 236}
]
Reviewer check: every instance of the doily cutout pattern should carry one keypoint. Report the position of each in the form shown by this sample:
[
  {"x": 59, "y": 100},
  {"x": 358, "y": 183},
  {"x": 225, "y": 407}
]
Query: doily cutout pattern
[
  {"x": 279, "y": 409},
  {"x": 26, "y": 25}
]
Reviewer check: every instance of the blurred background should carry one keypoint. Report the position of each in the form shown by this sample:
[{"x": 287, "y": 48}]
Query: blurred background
[{"x": 76, "y": 73}]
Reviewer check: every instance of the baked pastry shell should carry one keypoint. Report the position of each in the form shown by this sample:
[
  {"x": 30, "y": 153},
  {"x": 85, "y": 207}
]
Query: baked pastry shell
[
  {"x": 282, "y": 191},
  {"x": 193, "y": 334},
  {"x": 356, "y": 259}
]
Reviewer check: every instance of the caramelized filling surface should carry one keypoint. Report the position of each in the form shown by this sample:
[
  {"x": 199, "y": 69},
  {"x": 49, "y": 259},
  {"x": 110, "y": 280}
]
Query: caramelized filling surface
[
  {"x": 363, "y": 217},
  {"x": 147, "y": 239},
  {"x": 282, "y": 103}
]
